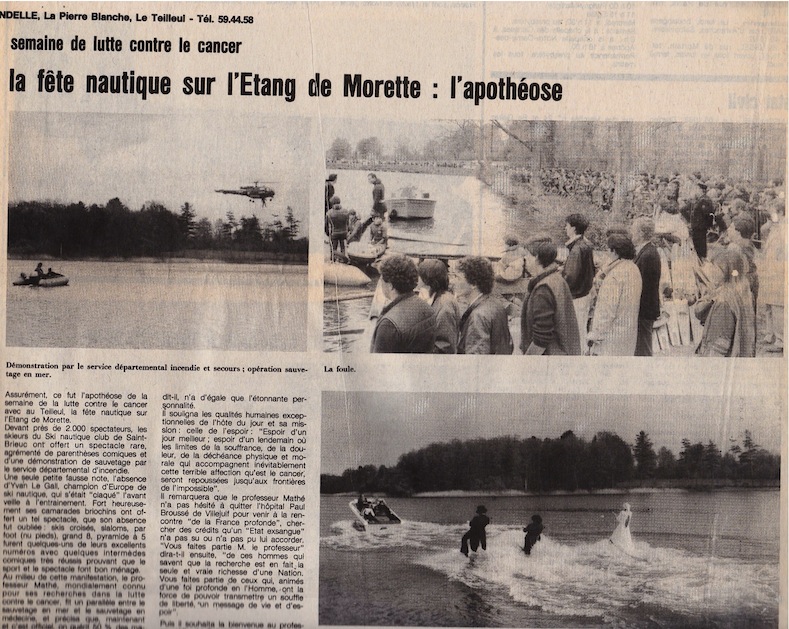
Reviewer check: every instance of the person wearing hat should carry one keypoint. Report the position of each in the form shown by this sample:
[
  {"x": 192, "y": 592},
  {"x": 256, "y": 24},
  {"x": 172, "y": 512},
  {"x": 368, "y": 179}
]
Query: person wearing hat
[
  {"x": 533, "y": 531},
  {"x": 475, "y": 536}
]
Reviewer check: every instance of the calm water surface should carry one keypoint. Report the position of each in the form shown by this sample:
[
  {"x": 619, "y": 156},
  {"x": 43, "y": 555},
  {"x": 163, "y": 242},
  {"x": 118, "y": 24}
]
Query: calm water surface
[
  {"x": 149, "y": 305},
  {"x": 703, "y": 560}
]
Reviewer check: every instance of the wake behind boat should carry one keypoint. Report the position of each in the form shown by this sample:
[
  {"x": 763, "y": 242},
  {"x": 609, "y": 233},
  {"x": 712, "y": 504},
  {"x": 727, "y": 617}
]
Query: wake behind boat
[{"x": 372, "y": 515}]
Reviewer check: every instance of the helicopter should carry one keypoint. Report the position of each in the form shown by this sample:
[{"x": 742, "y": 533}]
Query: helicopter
[{"x": 253, "y": 192}]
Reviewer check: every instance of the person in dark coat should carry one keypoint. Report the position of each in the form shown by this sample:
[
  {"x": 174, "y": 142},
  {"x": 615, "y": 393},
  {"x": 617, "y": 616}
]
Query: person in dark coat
[
  {"x": 579, "y": 268},
  {"x": 701, "y": 215},
  {"x": 548, "y": 321},
  {"x": 648, "y": 262},
  {"x": 434, "y": 277},
  {"x": 533, "y": 531},
  {"x": 328, "y": 194},
  {"x": 484, "y": 327},
  {"x": 407, "y": 324},
  {"x": 378, "y": 209},
  {"x": 476, "y": 537},
  {"x": 338, "y": 219},
  {"x": 379, "y": 206}
]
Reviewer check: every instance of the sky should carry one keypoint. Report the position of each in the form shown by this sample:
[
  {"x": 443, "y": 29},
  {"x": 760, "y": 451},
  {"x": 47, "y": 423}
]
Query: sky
[
  {"x": 414, "y": 133},
  {"x": 172, "y": 159},
  {"x": 362, "y": 428}
]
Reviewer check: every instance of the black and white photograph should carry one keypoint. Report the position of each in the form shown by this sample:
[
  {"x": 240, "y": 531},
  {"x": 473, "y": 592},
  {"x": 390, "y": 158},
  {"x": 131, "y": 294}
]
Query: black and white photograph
[
  {"x": 549, "y": 510},
  {"x": 157, "y": 231},
  {"x": 555, "y": 237}
]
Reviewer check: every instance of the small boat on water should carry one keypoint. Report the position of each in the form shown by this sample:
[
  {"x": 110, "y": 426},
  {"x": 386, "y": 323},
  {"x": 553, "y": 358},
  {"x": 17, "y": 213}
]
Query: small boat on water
[
  {"x": 364, "y": 254},
  {"x": 410, "y": 205},
  {"x": 372, "y": 515},
  {"x": 50, "y": 280}
]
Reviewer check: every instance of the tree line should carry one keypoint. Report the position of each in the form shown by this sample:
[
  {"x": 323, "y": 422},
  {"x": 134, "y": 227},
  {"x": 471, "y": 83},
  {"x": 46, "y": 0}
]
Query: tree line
[
  {"x": 566, "y": 463},
  {"x": 76, "y": 230}
]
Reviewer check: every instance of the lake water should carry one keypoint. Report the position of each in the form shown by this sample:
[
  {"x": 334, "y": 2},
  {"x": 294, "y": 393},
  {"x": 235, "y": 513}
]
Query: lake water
[
  {"x": 703, "y": 560},
  {"x": 168, "y": 305}
]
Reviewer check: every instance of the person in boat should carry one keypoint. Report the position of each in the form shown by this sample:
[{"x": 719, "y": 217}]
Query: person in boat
[
  {"x": 379, "y": 235},
  {"x": 368, "y": 513},
  {"x": 338, "y": 228},
  {"x": 533, "y": 531},
  {"x": 353, "y": 223},
  {"x": 434, "y": 289},
  {"x": 39, "y": 271},
  {"x": 406, "y": 324},
  {"x": 382, "y": 510},
  {"x": 476, "y": 537},
  {"x": 484, "y": 327},
  {"x": 621, "y": 535},
  {"x": 548, "y": 323}
]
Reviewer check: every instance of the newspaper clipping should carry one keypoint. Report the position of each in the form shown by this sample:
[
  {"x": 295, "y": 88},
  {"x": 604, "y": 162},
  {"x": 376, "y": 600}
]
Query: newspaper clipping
[{"x": 230, "y": 228}]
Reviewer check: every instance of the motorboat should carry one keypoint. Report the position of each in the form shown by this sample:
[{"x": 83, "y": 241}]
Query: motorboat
[
  {"x": 410, "y": 205},
  {"x": 49, "y": 280},
  {"x": 372, "y": 515}
]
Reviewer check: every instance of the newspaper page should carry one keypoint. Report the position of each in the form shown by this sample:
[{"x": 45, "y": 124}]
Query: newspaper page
[{"x": 229, "y": 227}]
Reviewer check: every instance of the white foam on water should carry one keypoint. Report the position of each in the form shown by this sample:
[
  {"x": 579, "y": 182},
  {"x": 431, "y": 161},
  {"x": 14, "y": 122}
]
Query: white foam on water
[
  {"x": 405, "y": 535},
  {"x": 594, "y": 580},
  {"x": 599, "y": 580}
]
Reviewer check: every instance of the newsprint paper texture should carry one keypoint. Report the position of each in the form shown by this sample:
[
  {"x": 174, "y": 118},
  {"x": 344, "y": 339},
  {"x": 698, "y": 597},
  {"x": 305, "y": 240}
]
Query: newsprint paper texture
[{"x": 208, "y": 255}]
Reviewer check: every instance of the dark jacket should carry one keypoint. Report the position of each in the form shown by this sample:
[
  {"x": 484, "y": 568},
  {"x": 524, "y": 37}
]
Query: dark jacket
[
  {"x": 548, "y": 317},
  {"x": 338, "y": 219},
  {"x": 407, "y": 325},
  {"x": 484, "y": 328},
  {"x": 648, "y": 262},
  {"x": 701, "y": 215},
  {"x": 579, "y": 268},
  {"x": 448, "y": 315},
  {"x": 379, "y": 206}
]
